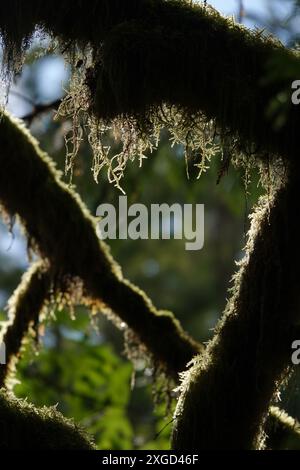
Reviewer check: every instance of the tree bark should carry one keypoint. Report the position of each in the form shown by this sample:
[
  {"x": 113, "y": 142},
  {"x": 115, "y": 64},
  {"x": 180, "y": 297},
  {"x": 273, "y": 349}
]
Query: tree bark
[{"x": 227, "y": 393}]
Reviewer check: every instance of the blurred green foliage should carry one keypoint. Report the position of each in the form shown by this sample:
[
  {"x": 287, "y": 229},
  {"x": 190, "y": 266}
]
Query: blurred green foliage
[{"x": 77, "y": 369}]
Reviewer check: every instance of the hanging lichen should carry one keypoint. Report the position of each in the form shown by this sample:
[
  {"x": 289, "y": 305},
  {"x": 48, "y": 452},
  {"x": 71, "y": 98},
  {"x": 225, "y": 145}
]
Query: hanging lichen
[{"x": 147, "y": 65}]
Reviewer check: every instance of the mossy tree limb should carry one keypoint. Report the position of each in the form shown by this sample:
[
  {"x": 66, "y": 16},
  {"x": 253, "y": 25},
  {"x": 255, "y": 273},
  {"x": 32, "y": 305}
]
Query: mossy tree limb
[
  {"x": 216, "y": 68},
  {"x": 223, "y": 66},
  {"x": 31, "y": 188},
  {"x": 51, "y": 205},
  {"x": 25, "y": 307},
  {"x": 24, "y": 427},
  {"x": 227, "y": 393},
  {"x": 149, "y": 53},
  {"x": 283, "y": 432}
]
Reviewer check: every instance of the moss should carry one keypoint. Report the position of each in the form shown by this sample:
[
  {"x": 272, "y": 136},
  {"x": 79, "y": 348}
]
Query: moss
[
  {"x": 45, "y": 205},
  {"x": 24, "y": 311},
  {"x": 282, "y": 431},
  {"x": 168, "y": 63},
  {"x": 209, "y": 67},
  {"x": 148, "y": 64},
  {"x": 226, "y": 394},
  {"x": 24, "y": 427}
]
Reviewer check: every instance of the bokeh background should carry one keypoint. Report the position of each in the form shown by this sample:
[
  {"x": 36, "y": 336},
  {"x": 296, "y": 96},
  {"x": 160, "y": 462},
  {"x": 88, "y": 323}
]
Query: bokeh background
[{"x": 79, "y": 364}]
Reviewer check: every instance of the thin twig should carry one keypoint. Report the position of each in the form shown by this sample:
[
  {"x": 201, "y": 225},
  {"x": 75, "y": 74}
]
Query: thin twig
[
  {"x": 241, "y": 12},
  {"x": 40, "y": 109}
]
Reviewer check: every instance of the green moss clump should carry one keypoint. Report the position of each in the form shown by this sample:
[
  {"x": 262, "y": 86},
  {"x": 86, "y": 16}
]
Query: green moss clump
[
  {"x": 22, "y": 426},
  {"x": 282, "y": 431}
]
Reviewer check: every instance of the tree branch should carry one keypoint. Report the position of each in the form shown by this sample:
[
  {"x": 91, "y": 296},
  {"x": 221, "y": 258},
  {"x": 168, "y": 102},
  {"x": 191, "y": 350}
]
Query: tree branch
[
  {"x": 25, "y": 307},
  {"x": 283, "y": 432},
  {"x": 58, "y": 223},
  {"x": 169, "y": 51},
  {"x": 45, "y": 205},
  {"x": 40, "y": 109},
  {"x": 25, "y": 427},
  {"x": 239, "y": 375},
  {"x": 191, "y": 57}
]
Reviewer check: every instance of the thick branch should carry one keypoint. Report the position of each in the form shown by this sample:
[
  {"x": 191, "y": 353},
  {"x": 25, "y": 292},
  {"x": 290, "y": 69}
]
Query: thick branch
[
  {"x": 45, "y": 205},
  {"x": 233, "y": 384},
  {"x": 283, "y": 432},
  {"x": 154, "y": 52},
  {"x": 25, "y": 307},
  {"x": 24, "y": 427},
  {"x": 57, "y": 221},
  {"x": 168, "y": 52},
  {"x": 216, "y": 68}
]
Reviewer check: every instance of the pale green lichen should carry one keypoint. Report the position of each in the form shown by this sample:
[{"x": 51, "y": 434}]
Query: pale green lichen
[{"x": 147, "y": 65}]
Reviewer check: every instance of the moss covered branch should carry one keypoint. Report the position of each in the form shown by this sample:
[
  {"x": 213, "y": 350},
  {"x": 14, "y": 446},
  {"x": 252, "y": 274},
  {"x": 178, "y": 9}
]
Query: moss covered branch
[
  {"x": 227, "y": 393},
  {"x": 282, "y": 431},
  {"x": 44, "y": 204},
  {"x": 214, "y": 68},
  {"x": 31, "y": 188},
  {"x": 25, "y": 307},
  {"x": 156, "y": 63},
  {"x": 24, "y": 427},
  {"x": 147, "y": 54}
]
